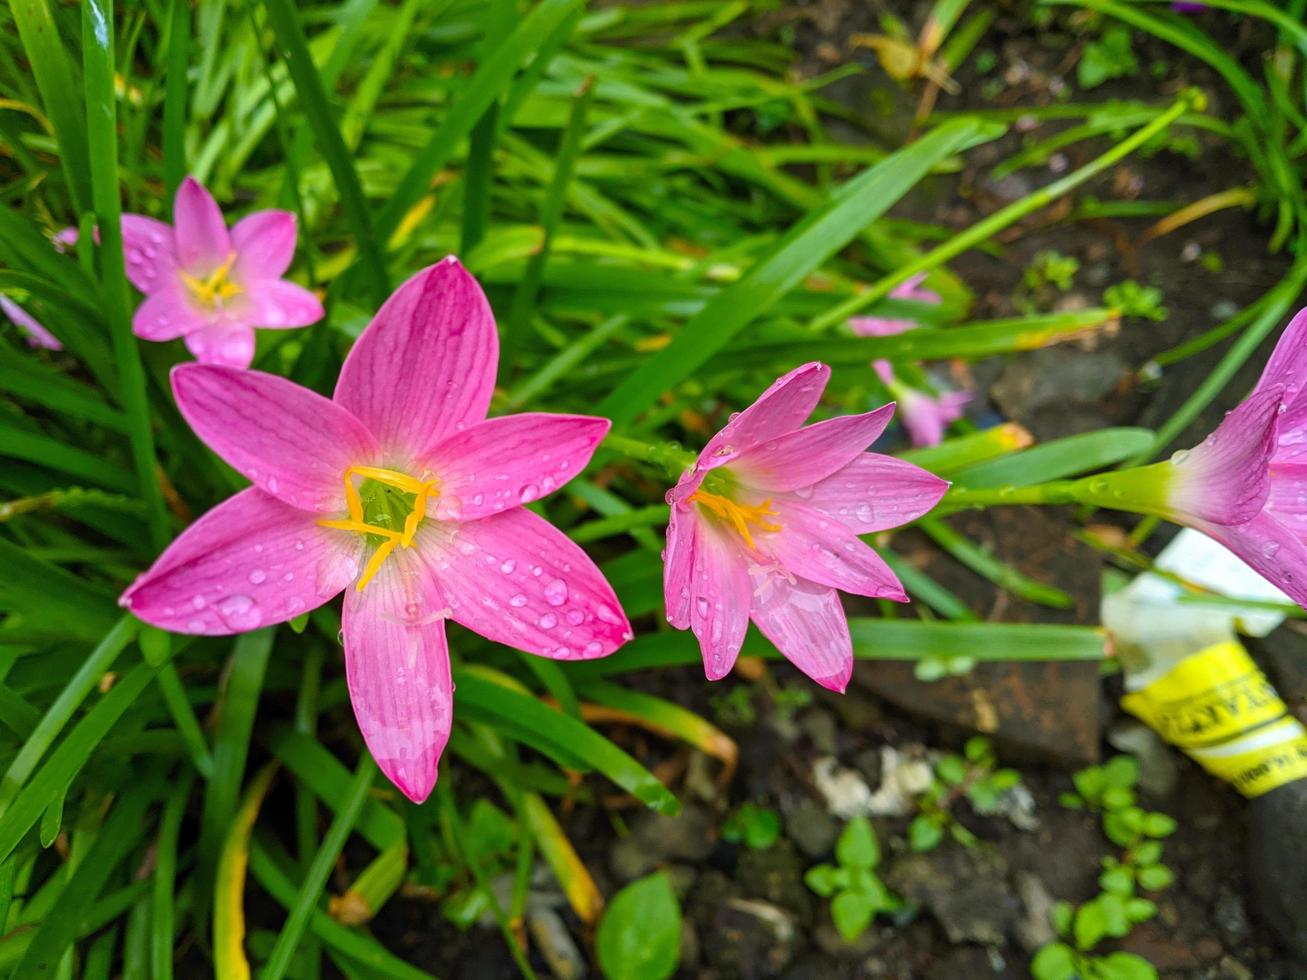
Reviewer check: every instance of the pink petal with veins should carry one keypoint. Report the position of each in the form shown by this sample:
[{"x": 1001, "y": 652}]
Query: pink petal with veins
[
  {"x": 290, "y": 441},
  {"x": 250, "y": 562}
]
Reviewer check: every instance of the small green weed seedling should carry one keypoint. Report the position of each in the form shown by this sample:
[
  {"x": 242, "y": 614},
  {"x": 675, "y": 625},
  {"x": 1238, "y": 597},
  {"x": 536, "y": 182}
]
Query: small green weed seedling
[
  {"x": 856, "y": 893},
  {"x": 1109, "y": 790},
  {"x": 757, "y": 827},
  {"x": 974, "y": 775}
]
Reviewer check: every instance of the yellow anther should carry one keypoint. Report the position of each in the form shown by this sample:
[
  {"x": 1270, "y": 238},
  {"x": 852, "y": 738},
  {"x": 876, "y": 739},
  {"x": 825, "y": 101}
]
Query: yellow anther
[
  {"x": 217, "y": 287},
  {"x": 422, "y": 491},
  {"x": 739, "y": 516}
]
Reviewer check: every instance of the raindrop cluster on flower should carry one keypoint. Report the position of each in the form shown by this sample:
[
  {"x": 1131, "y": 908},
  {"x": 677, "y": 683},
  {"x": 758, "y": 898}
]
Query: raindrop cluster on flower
[
  {"x": 765, "y": 527},
  {"x": 401, "y": 492},
  {"x": 212, "y": 286},
  {"x": 925, "y": 415}
]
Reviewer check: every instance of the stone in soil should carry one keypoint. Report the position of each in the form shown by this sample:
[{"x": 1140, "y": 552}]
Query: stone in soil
[
  {"x": 1034, "y": 931},
  {"x": 555, "y": 944},
  {"x": 812, "y": 829},
  {"x": 656, "y": 840},
  {"x": 1045, "y": 709},
  {"x": 966, "y": 889},
  {"x": 776, "y": 875},
  {"x": 751, "y": 939}
]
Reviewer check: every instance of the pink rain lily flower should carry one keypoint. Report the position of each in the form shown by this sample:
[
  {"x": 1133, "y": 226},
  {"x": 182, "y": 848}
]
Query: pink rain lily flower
[
  {"x": 765, "y": 527},
  {"x": 925, "y": 416},
  {"x": 909, "y": 289},
  {"x": 401, "y": 492},
  {"x": 1246, "y": 484},
  {"x": 37, "y": 335},
  {"x": 211, "y": 286}
]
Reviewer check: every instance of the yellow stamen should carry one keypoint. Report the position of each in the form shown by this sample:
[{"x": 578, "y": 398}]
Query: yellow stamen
[
  {"x": 739, "y": 516},
  {"x": 217, "y": 288},
  {"x": 422, "y": 491}
]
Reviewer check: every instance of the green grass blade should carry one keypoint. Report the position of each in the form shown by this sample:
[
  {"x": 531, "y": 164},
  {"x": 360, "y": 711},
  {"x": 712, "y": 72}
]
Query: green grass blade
[
  {"x": 490, "y": 78},
  {"x": 285, "y": 23},
  {"x": 552, "y": 731},
  {"x": 115, "y": 840},
  {"x": 1060, "y": 458},
  {"x": 67, "y": 760},
  {"x": 174, "y": 98},
  {"x": 57, "y": 81},
  {"x": 801, "y": 250},
  {"x": 102, "y": 130},
  {"x": 315, "y": 880}
]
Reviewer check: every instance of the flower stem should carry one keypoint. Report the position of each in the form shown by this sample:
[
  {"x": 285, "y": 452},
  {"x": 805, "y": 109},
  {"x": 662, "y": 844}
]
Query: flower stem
[
  {"x": 673, "y": 459},
  {"x": 982, "y": 231},
  {"x": 1141, "y": 490}
]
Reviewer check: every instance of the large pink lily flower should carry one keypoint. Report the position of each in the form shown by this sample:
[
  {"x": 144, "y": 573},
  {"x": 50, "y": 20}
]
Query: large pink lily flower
[
  {"x": 36, "y": 334},
  {"x": 765, "y": 527},
  {"x": 1246, "y": 484},
  {"x": 211, "y": 286},
  {"x": 400, "y": 491}
]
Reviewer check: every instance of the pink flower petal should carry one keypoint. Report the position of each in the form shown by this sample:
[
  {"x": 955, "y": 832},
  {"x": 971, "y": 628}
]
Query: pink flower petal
[
  {"x": 876, "y": 326},
  {"x": 222, "y": 344},
  {"x": 1287, "y": 500},
  {"x": 518, "y": 580},
  {"x": 149, "y": 252},
  {"x": 1225, "y": 480},
  {"x": 782, "y": 408},
  {"x": 876, "y": 493},
  {"x": 278, "y": 305},
  {"x": 264, "y": 243},
  {"x": 820, "y": 548},
  {"x": 1273, "y": 549},
  {"x": 250, "y": 562},
  {"x": 927, "y": 417},
  {"x": 509, "y": 461},
  {"x": 719, "y": 600},
  {"x": 37, "y": 335},
  {"x": 425, "y": 365},
  {"x": 805, "y": 456},
  {"x": 806, "y": 623},
  {"x": 288, "y": 440},
  {"x": 167, "y": 314},
  {"x": 201, "y": 234},
  {"x": 678, "y": 561},
  {"x": 397, "y": 666}
]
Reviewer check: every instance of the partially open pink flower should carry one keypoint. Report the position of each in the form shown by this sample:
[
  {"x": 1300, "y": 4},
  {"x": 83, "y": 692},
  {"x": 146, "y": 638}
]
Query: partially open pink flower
[
  {"x": 37, "y": 335},
  {"x": 875, "y": 326},
  {"x": 400, "y": 487},
  {"x": 211, "y": 286},
  {"x": 1246, "y": 484},
  {"x": 925, "y": 416},
  {"x": 765, "y": 527}
]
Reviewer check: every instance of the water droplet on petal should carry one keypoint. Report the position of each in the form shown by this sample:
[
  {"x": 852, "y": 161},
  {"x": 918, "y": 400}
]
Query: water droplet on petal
[
  {"x": 556, "y": 592},
  {"x": 508, "y": 566},
  {"x": 529, "y": 493},
  {"x": 258, "y": 576},
  {"x": 239, "y": 612},
  {"x": 1271, "y": 548},
  {"x": 1179, "y": 456},
  {"x": 575, "y": 617},
  {"x": 548, "y": 621},
  {"x": 518, "y": 601}
]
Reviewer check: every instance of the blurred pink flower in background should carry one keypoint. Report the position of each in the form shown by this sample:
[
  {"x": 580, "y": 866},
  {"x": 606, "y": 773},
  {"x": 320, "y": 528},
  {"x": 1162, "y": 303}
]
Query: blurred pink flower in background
[
  {"x": 765, "y": 527},
  {"x": 211, "y": 286},
  {"x": 926, "y": 416},
  {"x": 400, "y": 487},
  {"x": 37, "y": 335}
]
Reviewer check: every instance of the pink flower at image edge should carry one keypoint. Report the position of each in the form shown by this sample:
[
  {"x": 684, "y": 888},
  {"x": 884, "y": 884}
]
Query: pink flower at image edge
[
  {"x": 211, "y": 286},
  {"x": 400, "y": 491},
  {"x": 1246, "y": 484},
  {"x": 765, "y": 527}
]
